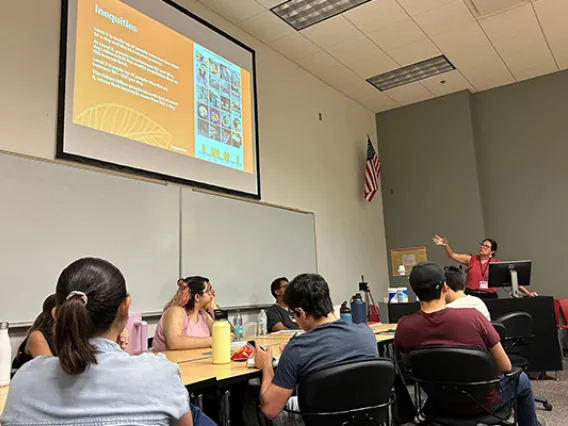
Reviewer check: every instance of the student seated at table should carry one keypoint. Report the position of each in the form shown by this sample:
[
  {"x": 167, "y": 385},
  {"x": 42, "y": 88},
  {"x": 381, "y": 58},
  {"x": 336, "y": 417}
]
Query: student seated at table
[
  {"x": 278, "y": 316},
  {"x": 436, "y": 325},
  {"x": 456, "y": 297},
  {"x": 39, "y": 340},
  {"x": 327, "y": 341},
  {"x": 187, "y": 322},
  {"x": 93, "y": 382}
]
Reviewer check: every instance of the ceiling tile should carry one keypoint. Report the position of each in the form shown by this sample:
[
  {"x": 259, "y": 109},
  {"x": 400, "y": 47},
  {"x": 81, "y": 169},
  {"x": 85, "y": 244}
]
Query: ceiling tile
[
  {"x": 322, "y": 64},
  {"x": 295, "y": 46},
  {"x": 332, "y": 32},
  {"x": 349, "y": 83},
  {"x": 396, "y": 35},
  {"x": 376, "y": 101},
  {"x": 409, "y": 93},
  {"x": 414, "y": 52},
  {"x": 416, "y": 7},
  {"x": 533, "y": 71},
  {"x": 517, "y": 37},
  {"x": 509, "y": 22},
  {"x": 235, "y": 11},
  {"x": 363, "y": 56},
  {"x": 267, "y": 3},
  {"x": 376, "y": 14},
  {"x": 267, "y": 27},
  {"x": 454, "y": 82},
  {"x": 523, "y": 50},
  {"x": 470, "y": 51},
  {"x": 553, "y": 16},
  {"x": 445, "y": 18}
]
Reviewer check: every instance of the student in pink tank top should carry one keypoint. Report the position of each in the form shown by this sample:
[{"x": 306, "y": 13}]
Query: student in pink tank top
[
  {"x": 477, "y": 273},
  {"x": 187, "y": 319}
]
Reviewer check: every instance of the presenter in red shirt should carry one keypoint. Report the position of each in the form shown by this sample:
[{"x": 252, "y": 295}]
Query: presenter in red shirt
[{"x": 477, "y": 271}]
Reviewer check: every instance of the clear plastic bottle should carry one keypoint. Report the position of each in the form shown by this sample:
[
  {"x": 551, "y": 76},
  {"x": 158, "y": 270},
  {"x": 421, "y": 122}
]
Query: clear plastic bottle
[
  {"x": 5, "y": 355},
  {"x": 238, "y": 326},
  {"x": 262, "y": 323}
]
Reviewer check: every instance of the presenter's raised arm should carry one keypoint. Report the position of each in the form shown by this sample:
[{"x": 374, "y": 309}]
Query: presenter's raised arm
[{"x": 443, "y": 242}]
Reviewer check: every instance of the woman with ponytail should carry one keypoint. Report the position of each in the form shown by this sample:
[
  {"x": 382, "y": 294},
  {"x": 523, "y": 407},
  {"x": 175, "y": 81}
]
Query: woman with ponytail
[
  {"x": 187, "y": 319},
  {"x": 93, "y": 382},
  {"x": 39, "y": 340}
]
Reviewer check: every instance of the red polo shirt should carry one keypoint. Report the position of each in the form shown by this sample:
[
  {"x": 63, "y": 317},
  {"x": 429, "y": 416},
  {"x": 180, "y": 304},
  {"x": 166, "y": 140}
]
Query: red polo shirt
[{"x": 476, "y": 272}]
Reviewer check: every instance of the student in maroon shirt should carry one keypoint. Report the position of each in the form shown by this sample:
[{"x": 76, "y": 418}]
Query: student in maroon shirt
[
  {"x": 436, "y": 325},
  {"x": 477, "y": 274}
]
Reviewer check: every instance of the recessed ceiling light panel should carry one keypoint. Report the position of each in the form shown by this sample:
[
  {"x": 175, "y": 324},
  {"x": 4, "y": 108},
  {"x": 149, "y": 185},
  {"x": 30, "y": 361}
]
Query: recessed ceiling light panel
[
  {"x": 411, "y": 73},
  {"x": 302, "y": 14}
]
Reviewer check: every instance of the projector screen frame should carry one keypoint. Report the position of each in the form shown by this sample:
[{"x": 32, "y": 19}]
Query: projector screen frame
[{"x": 61, "y": 154}]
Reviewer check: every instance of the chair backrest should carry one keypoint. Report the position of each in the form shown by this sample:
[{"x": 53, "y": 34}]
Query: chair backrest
[
  {"x": 500, "y": 329},
  {"x": 453, "y": 377},
  {"x": 137, "y": 335},
  {"x": 347, "y": 387},
  {"x": 518, "y": 325}
]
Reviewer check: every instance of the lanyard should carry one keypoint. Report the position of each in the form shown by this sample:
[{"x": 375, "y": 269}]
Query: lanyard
[{"x": 483, "y": 272}]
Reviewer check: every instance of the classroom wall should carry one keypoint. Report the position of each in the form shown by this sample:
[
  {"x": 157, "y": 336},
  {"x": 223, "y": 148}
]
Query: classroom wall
[
  {"x": 305, "y": 163},
  {"x": 429, "y": 177},
  {"x": 521, "y": 142},
  {"x": 512, "y": 188}
]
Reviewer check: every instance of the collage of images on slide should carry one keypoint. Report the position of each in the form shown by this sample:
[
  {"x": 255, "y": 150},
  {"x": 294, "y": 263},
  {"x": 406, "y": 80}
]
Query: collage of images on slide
[{"x": 219, "y": 105}]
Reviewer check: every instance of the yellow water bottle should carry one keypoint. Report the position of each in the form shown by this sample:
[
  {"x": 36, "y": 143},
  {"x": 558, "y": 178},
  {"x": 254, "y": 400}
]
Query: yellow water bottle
[{"x": 221, "y": 334}]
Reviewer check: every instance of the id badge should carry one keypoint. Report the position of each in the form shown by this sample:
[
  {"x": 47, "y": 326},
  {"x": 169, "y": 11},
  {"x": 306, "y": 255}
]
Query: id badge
[{"x": 483, "y": 285}]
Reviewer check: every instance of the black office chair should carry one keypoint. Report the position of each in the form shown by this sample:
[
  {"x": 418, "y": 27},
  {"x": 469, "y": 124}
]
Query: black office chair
[
  {"x": 456, "y": 380},
  {"x": 352, "y": 393},
  {"x": 515, "y": 329}
]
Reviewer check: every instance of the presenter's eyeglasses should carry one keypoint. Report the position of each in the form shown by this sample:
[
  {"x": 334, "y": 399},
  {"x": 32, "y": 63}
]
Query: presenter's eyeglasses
[{"x": 485, "y": 246}]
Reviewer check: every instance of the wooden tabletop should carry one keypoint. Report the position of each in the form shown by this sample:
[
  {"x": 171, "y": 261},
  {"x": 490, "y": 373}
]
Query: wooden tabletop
[
  {"x": 199, "y": 370},
  {"x": 196, "y": 366},
  {"x": 3, "y": 396}
]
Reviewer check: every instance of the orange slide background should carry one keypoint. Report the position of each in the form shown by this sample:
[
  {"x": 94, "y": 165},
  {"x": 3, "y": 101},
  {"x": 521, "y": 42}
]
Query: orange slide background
[
  {"x": 112, "y": 110},
  {"x": 109, "y": 109}
]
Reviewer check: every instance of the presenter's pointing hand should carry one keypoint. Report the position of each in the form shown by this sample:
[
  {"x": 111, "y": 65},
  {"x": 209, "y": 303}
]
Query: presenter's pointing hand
[{"x": 440, "y": 241}]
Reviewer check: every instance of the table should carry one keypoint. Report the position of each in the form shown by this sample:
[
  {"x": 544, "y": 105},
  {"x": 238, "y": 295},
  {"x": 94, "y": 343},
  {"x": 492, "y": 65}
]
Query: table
[
  {"x": 199, "y": 374},
  {"x": 544, "y": 353},
  {"x": 3, "y": 396}
]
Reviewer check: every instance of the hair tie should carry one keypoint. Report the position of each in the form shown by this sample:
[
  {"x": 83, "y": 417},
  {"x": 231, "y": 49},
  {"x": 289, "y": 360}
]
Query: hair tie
[{"x": 82, "y": 295}]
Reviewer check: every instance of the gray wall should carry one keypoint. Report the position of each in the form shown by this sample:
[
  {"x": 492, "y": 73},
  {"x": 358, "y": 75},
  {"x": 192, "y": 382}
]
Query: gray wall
[
  {"x": 490, "y": 164},
  {"x": 429, "y": 176}
]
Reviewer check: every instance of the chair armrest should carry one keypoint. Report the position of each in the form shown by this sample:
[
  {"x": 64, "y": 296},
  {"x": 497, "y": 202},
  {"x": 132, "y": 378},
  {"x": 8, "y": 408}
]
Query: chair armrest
[{"x": 516, "y": 371}]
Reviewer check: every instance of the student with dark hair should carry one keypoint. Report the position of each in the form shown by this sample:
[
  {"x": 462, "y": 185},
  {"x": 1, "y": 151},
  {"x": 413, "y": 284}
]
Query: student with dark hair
[
  {"x": 39, "y": 340},
  {"x": 93, "y": 382},
  {"x": 456, "y": 297},
  {"x": 278, "y": 316},
  {"x": 436, "y": 325},
  {"x": 186, "y": 322},
  {"x": 327, "y": 341},
  {"x": 477, "y": 273}
]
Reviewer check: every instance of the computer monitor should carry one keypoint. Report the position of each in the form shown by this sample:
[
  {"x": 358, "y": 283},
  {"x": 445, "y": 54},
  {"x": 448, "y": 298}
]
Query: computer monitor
[{"x": 510, "y": 274}]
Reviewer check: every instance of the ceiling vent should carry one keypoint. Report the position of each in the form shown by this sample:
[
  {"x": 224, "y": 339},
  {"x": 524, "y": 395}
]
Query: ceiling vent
[
  {"x": 411, "y": 73},
  {"x": 302, "y": 14},
  {"x": 483, "y": 8}
]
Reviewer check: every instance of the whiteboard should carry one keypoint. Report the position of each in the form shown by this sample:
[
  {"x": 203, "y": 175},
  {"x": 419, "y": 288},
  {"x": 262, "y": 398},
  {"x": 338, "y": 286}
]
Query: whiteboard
[
  {"x": 241, "y": 246},
  {"x": 51, "y": 215}
]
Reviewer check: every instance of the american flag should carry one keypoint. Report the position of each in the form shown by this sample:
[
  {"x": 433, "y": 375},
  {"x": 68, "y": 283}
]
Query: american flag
[{"x": 372, "y": 169}]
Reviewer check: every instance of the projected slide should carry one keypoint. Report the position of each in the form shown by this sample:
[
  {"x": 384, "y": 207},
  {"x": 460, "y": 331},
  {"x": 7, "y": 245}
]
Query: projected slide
[{"x": 138, "y": 79}]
